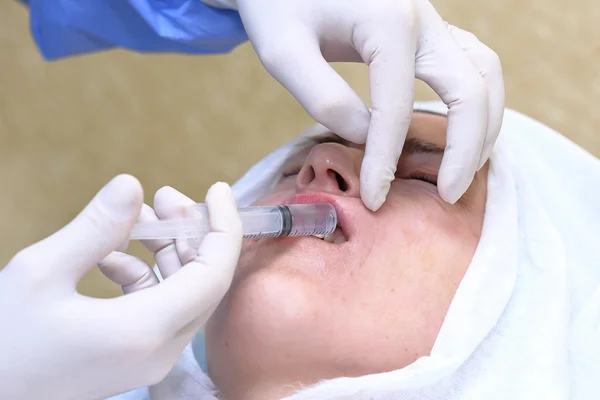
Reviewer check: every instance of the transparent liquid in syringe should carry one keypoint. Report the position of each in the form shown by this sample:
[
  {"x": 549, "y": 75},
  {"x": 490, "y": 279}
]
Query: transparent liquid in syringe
[
  {"x": 258, "y": 222},
  {"x": 262, "y": 222}
]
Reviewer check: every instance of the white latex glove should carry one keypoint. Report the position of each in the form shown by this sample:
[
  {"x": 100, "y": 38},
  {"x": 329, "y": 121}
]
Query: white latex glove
[
  {"x": 58, "y": 344},
  {"x": 399, "y": 40}
]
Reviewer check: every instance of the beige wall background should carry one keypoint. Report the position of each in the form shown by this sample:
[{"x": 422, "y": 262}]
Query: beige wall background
[{"x": 67, "y": 127}]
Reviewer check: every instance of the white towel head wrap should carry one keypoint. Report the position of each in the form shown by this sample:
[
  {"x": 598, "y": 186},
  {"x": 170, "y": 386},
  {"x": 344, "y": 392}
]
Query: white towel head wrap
[{"x": 525, "y": 320}]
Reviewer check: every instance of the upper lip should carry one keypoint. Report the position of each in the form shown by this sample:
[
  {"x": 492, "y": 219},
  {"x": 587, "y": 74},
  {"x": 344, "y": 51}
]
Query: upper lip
[{"x": 340, "y": 210}]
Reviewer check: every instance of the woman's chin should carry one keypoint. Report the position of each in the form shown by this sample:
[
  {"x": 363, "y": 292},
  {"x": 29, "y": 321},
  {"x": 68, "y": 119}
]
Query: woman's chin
[{"x": 268, "y": 311}]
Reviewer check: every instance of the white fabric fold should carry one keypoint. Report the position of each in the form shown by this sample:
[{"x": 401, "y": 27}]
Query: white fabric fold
[{"x": 525, "y": 321}]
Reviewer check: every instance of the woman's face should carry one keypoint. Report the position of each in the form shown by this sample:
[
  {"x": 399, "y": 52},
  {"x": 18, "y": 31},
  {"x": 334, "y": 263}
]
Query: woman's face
[{"x": 304, "y": 309}]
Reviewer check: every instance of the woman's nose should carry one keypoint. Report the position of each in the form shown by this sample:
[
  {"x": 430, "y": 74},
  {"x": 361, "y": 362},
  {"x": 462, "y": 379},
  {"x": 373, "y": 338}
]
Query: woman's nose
[{"x": 331, "y": 168}]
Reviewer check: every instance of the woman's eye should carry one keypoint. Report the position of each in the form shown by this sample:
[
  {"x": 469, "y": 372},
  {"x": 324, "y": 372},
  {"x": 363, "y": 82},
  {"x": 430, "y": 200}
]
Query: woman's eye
[
  {"x": 425, "y": 178},
  {"x": 290, "y": 172}
]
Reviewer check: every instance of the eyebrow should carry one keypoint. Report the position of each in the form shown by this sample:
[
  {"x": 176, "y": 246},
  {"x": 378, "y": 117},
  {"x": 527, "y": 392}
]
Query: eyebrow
[
  {"x": 421, "y": 146},
  {"x": 411, "y": 145}
]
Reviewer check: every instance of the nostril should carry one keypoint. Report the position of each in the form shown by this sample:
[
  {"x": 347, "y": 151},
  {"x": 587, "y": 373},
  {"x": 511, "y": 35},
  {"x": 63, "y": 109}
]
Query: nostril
[
  {"x": 341, "y": 182},
  {"x": 306, "y": 175}
]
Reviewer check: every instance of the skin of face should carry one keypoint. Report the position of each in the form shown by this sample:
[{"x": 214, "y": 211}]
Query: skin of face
[{"x": 301, "y": 310}]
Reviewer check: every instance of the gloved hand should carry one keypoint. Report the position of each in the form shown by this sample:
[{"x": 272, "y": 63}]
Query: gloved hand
[
  {"x": 134, "y": 274},
  {"x": 399, "y": 40},
  {"x": 58, "y": 344}
]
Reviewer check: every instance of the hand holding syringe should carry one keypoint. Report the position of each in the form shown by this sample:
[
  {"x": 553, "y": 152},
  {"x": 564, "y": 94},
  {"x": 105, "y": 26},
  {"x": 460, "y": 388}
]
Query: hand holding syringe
[{"x": 258, "y": 222}]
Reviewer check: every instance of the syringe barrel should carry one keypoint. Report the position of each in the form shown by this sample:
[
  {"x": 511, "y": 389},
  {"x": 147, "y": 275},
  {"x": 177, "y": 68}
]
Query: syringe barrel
[
  {"x": 277, "y": 221},
  {"x": 312, "y": 219},
  {"x": 258, "y": 222}
]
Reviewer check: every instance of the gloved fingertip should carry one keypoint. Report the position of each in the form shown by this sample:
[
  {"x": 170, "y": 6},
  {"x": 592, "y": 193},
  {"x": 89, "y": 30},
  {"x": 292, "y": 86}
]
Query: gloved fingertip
[
  {"x": 449, "y": 198},
  {"x": 222, "y": 209},
  {"x": 163, "y": 192},
  {"x": 375, "y": 181},
  {"x": 220, "y": 191},
  {"x": 374, "y": 199},
  {"x": 219, "y": 186},
  {"x": 451, "y": 190},
  {"x": 374, "y": 205},
  {"x": 122, "y": 196},
  {"x": 169, "y": 203}
]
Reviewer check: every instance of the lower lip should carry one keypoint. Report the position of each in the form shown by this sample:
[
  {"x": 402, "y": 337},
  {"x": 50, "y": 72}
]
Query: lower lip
[
  {"x": 313, "y": 238},
  {"x": 293, "y": 238}
]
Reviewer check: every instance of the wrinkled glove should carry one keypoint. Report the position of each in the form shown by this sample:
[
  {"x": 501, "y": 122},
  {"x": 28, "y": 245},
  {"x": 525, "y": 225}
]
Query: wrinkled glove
[
  {"x": 58, "y": 344},
  {"x": 399, "y": 40}
]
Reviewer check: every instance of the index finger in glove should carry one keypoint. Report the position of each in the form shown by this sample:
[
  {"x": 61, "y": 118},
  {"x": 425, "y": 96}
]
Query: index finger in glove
[
  {"x": 303, "y": 71},
  {"x": 488, "y": 64},
  {"x": 193, "y": 292},
  {"x": 442, "y": 64},
  {"x": 462, "y": 89},
  {"x": 391, "y": 74}
]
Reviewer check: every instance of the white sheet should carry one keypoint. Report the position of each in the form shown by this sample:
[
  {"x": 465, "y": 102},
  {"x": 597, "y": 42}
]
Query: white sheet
[{"x": 525, "y": 321}]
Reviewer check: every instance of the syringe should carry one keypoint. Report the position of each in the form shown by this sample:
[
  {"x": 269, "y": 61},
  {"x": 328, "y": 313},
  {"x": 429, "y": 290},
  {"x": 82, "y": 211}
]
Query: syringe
[{"x": 258, "y": 222}]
